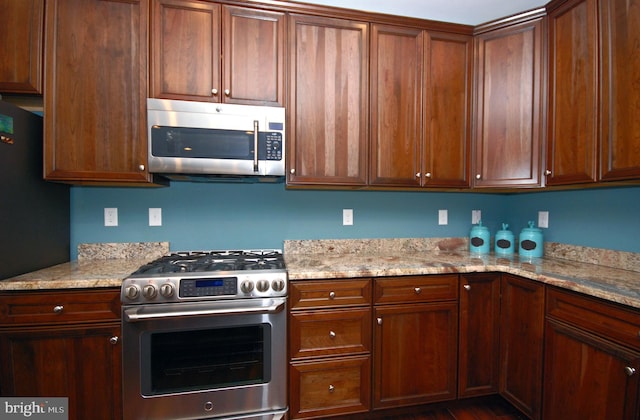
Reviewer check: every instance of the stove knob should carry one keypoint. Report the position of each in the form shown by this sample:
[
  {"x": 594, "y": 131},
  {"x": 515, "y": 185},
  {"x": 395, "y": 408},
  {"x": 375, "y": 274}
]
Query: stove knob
[
  {"x": 132, "y": 292},
  {"x": 278, "y": 285},
  {"x": 149, "y": 291},
  {"x": 246, "y": 286},
  {"x": 167, "y": 290},
  {"x": 263, "y": 285}
]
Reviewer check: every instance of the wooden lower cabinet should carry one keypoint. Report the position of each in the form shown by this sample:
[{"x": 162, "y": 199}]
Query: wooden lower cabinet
[
  {"x": 479, "y": 334},
  {"x": 329, "y": 347},
  {"x": 592, "y": 359},
  {"x": 59, "y": 344},
  {"x": 415, "y": 343}
]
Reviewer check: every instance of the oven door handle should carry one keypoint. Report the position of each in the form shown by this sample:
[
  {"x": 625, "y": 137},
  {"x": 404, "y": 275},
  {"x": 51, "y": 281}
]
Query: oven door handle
[{"x": 142, "y": 313}]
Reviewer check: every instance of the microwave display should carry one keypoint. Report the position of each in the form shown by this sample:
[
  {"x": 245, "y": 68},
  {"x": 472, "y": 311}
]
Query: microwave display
[{"x": 183, "y": 142}]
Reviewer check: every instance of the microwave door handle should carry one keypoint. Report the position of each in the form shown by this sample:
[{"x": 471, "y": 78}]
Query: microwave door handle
[{"x": 255, "y": 145}]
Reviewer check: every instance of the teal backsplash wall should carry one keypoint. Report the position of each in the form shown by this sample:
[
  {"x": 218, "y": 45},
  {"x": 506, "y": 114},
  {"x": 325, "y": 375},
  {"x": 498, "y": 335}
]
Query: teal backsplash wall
[{"x": 225, "y": 216}]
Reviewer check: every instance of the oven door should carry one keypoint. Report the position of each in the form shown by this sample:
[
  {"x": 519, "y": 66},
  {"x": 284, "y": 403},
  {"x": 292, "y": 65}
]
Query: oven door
[{"x": 218, "y": 359}]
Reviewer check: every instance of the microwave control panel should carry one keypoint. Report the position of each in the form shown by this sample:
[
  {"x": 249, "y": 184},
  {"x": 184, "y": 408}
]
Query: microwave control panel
[{"x": 274, "y": 146}]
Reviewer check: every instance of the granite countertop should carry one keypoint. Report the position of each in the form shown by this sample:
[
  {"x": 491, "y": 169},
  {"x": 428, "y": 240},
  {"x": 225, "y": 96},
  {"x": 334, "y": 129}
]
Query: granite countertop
[{"x": 592, "y": 274}]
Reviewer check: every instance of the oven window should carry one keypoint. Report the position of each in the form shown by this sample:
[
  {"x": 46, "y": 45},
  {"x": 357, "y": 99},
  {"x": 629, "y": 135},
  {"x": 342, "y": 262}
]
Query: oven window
[{"x": 208, "y": 359}]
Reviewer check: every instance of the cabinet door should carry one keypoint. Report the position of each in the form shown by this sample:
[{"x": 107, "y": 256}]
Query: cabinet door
[
  {"x": 21, "y": 46},
  {"x": 572, "y": 154},
  {"x": 479, "y": 333},
  {"x": 586, "y": 377},
  {"x": 415, "y": 354},
  {"x": 521, "y": 336},
  {"x": 185, "y": 50},
  {"x": 447, "y": 124},
  {"x": 83, "y": 364},
  {"x": 508, "y": 106},
  {"x": 328, "y": 106},
  {"x": 396, "y": 105},
  {"x": 620, "y": 91},
  {"x": 253, "y": 56},
  {"x": 95, "y": 101}
]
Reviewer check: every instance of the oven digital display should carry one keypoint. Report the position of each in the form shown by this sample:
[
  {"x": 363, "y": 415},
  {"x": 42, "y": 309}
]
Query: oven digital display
[{"x": 200, "y": 287}]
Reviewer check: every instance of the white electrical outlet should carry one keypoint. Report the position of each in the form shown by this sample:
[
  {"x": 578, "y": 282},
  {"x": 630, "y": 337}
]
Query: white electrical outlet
[
  {"x": 543, "y": 219},
  {"x": 443, "y": 217},
  {"x": 110, "y": 216},
  {"x": 347, "y": 217},
  {"x": 155, "y": 217},
  {"x": 476, "y": 216}
]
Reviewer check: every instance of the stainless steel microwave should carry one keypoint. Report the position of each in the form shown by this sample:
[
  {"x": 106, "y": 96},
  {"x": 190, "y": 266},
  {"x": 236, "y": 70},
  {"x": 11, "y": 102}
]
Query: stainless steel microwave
[{"x": 193, "y": 140}]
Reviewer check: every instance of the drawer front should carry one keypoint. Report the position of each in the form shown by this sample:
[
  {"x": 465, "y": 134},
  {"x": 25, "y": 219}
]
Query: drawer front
[
  {"x": 416, "y": 288},
  {"x": 59, "y": 307},
  {"x": 329, "y": 293},
  {"x": 322, "y": 333},
  {"x": 330, "y": 387},
  {"x": 607, "y": 320}
]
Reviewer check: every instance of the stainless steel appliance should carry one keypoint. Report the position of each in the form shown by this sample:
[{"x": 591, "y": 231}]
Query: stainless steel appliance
[
  {"x": 195, "y": 140},
  {"x": 34, "y": 214},
  {"x": 204, "y": 336}
]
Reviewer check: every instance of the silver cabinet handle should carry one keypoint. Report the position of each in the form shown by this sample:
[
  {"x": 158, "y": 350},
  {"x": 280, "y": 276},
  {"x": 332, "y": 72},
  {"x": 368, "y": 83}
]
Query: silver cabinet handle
[
  {"x": 467, "y": 287},
  {"x": 141, "y": 167},
  {"x": 331, "y": 388},
  {"x": 214, "y": 91},
  {"x": 58, "y": 309},
  {"x": 332, "y": 295},
  {"x": 293, "y": 171},
  {"x": 629, "y": 371},
  {"x": 227, "y": 92},
  {"x": 418, "y": 175},
  {"x": 332, "y": 334},
  {"x": 417, "y": 290},
  {"x": 478, "y": 176},
  {"x": 547, "y": 172},
  {"x": 379, "y": 321},
  {"x": 114, "y": 339},
  {"x": 428, "y": 174}
]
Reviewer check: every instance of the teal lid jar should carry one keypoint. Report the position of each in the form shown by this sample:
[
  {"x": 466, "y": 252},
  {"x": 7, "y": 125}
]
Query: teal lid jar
[
  {"x": 531, "y": 242},
  {"x": 479, "y": 239},
  {"x": 504, "y": 241}
]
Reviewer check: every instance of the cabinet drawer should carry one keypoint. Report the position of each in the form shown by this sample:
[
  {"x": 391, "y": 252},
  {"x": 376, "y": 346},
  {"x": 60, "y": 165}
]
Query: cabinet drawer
[
  {"x": 321, "y": 333},
  {"x": 416, "y": 288},
  {"x": 59, "y": 307},
  {"x": 608, "y": 320},
  {"x": 329, "y": 387},
  {"x": 329, "y": 293}
]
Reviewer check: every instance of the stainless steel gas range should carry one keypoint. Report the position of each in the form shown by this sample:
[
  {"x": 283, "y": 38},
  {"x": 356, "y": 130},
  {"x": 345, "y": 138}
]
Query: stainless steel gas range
[{"x": 204, "y": 336}]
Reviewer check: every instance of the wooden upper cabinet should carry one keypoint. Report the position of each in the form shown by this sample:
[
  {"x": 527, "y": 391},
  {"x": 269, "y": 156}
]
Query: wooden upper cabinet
[
  {"x": 328, "y": 104},
  {"x": 396, "y": 105},
  {"x": 572, "y": 146},
  {"x": 508, "y": 136},
  {"x": 204, "y": 51},
  {"x": 96, "y": 89},
  {"x": 21, "y": 40},
  {"x": 620, "y": 90},
  {"x": 447, "y": 111}
]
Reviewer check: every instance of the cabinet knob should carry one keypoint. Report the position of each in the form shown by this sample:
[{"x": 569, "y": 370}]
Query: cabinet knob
[
  {"x": 418, "y": 175},
  {"x": 417, "y": 290},
  {"x": 214, "y": 91},
  {"x": 114, "y": 339},
  {"x": 478, "y": 176},
  {"x": 141, "y": 167},
  {"x": 379, "y": 321},
  {"x": 293, "y": 171},
  {"x": 467, "y": 287},
  {"x": 331, "y": 388},
  {"x": 58, "y": 309},
  {"x": 547, "y": 172},
  {"x": 332, "y": 295},
  {"x": 227, "y": 92},
  {"x": 629, "y": 371},
  {"x": 332, "y": 334},
  {"x": 428, "y": 174}
]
